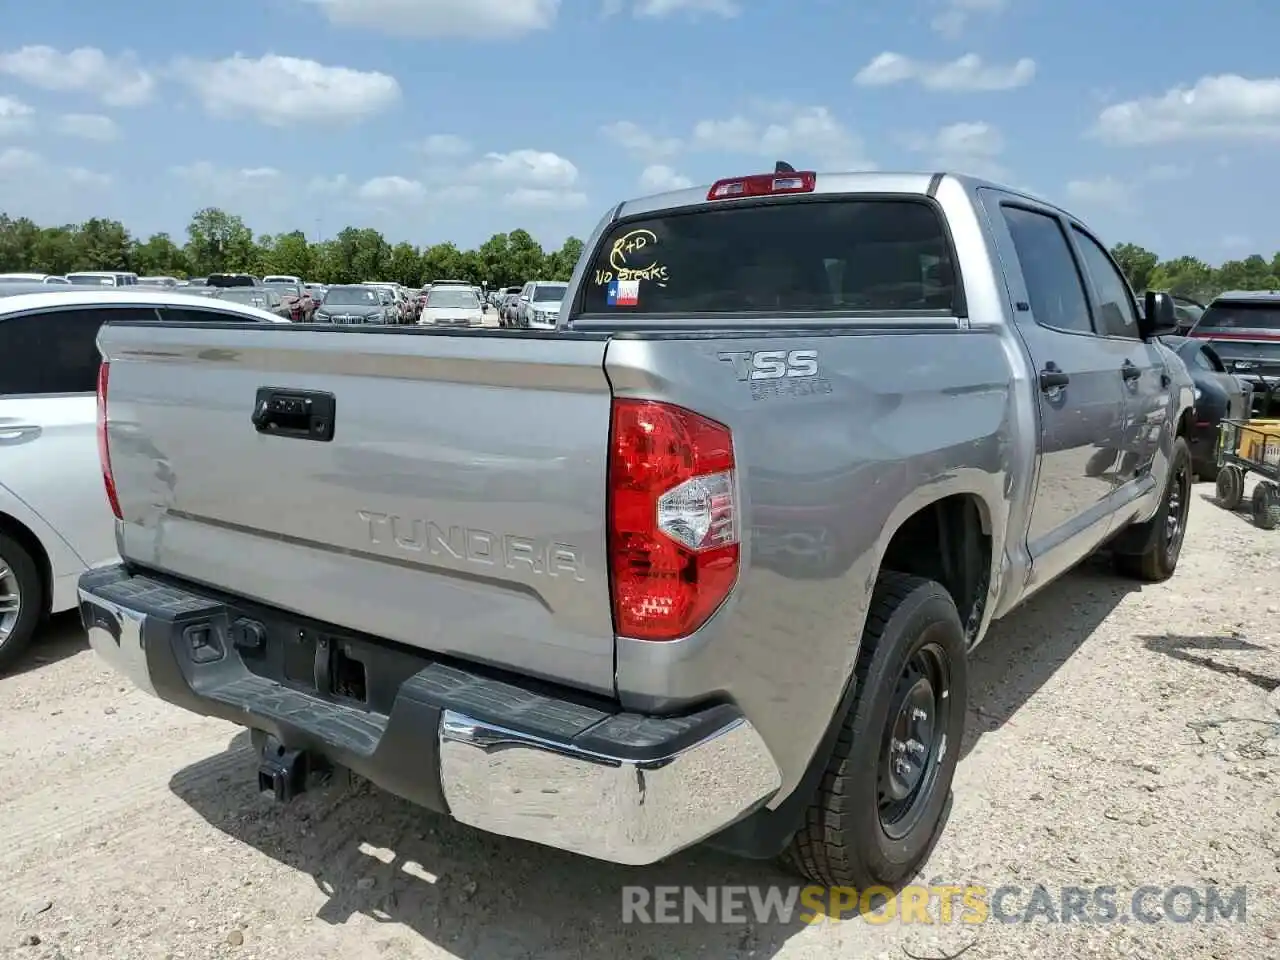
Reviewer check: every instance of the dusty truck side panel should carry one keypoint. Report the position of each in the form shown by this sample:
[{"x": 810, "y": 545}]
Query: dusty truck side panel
[{"x": 827, "y": 473}]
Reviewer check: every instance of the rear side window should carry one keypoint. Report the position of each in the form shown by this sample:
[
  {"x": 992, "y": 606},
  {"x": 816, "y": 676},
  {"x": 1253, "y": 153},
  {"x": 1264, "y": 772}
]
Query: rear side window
[
  {"x": 827, "y": 256},
  {"x": 1227, "y": 316},
  {"x": 56, "y": 351},
  {"x": 196, "y": 315}
]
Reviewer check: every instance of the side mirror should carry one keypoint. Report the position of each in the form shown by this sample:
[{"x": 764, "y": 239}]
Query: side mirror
[{"x": 1158, "y": 317}]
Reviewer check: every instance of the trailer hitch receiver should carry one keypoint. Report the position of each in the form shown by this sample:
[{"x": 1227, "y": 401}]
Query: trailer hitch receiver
[{"x": 282, "y": 773}]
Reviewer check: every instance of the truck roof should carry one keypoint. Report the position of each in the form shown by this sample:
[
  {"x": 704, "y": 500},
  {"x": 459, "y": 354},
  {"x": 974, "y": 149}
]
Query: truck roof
[
  {"x": 906, "y": 182},
  {"x": 1257, "y": 296}
]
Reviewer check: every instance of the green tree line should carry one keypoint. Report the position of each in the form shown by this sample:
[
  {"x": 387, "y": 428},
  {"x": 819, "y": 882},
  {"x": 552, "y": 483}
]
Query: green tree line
[
  {"x": 220, "y": 242},
  {"x": 1194, "y": 278}
]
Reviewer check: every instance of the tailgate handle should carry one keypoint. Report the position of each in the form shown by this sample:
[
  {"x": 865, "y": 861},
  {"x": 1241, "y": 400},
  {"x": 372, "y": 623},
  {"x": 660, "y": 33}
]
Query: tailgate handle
[{"x": 300, "y": 414}]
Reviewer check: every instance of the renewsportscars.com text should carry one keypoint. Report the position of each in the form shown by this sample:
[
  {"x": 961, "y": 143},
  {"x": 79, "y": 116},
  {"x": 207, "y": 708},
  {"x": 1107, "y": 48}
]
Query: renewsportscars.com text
[{"x": 934, "y": 904}]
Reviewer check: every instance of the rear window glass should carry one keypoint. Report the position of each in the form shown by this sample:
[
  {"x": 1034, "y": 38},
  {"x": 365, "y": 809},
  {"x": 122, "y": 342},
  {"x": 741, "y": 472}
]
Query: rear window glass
[
  {"x": 1226, "y": 316},
  {"x": 835, "y": 256}
]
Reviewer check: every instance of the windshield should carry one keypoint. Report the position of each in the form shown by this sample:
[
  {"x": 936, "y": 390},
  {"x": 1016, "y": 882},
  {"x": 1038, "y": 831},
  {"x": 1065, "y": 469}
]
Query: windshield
[
  {"x": 544, "y": 294},
  {"x": 452, "y": 299},
  {"x": 245, "y": 295},
  {"x": 352, "y": 296},
  {"x": 1229, "y": 316},
  {"x": 828, "y": 256},
  {"x": 92, "y": 281},
  {"x": 282, "y": 287}
]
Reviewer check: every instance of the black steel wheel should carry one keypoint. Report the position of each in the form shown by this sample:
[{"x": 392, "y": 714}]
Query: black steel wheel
[{"x": 913, "y": 742}]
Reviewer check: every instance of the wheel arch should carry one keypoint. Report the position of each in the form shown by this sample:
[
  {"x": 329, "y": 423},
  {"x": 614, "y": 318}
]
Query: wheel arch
[
  {"x": 941, "y": 537},
  {"x": 26, "y": 538}
]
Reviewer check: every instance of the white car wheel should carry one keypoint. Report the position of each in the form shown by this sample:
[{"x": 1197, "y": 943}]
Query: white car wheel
[{"x": 21, "y": 599}]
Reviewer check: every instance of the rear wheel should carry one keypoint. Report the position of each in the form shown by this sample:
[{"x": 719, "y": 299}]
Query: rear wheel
[
  {"x": 1229, "y": 487},
  {"x": 21, "y": 599},
  {"x": 887, "y": 788}
]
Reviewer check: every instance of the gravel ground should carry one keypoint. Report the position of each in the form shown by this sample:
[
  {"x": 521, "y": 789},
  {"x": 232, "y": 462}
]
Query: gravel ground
[{"x": 1119, "y": 735}]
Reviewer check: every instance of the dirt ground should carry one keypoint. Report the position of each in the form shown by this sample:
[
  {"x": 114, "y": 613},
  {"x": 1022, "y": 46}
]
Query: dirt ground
[{"x": 1119, "y": 736}]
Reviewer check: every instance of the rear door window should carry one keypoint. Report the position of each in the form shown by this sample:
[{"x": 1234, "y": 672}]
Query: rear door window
[
  {"x": 836, "y": 256},
  {"x": 1053, "y": 280}
]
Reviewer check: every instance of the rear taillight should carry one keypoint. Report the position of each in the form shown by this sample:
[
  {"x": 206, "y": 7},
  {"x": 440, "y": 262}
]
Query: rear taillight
[
  {"x": 673, "y": 519},
  {"x": 763, "y": 185},
  {"x": 104, "y": 450}
]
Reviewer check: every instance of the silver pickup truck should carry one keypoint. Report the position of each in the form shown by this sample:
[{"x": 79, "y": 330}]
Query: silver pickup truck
[{"x": 703, "y": 564}]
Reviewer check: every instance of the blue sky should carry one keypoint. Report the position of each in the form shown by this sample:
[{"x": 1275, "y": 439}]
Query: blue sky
[{"x": 439, "y": 120}]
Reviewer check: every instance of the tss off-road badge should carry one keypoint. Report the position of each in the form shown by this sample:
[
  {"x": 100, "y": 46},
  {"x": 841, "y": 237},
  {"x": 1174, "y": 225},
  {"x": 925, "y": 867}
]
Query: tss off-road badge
[{"x": 777, "y": 373}]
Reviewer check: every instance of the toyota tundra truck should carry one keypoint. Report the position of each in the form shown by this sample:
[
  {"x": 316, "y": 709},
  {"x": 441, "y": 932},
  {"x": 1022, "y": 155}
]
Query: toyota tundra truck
[{"x": 703, "y": 564}]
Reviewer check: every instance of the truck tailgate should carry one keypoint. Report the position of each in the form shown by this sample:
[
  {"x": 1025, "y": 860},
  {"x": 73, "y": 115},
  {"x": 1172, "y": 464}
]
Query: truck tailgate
[{"x": 459, "y": 506}]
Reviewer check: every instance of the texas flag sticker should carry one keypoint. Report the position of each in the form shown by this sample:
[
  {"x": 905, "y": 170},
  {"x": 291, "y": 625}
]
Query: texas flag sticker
[{"x": 624, "y": 293}]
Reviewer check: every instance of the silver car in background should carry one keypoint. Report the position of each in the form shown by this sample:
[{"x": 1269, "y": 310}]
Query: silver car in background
[{"x": 540, "y": 305}]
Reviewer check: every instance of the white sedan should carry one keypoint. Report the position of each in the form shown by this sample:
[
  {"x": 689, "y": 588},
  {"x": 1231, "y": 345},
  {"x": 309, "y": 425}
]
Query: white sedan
[
  {"x": 451, "y": 306},
  {"x": 55, "y": 521}
]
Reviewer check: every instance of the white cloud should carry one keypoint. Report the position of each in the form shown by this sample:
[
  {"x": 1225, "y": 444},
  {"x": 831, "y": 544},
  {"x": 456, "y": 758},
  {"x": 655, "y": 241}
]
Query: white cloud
[
  {"x": 88, "y": 178},
  {"x": 227, "y": 185},
  {"x": 965, "y": 74},
  {"x": 1103, "y": 192},
  {"x": 117, "y": 81},
  {"x": 786, "y": 132},
  {"x": 392, "y": 190},
  {"x": 88, "y": 126},
  {"x": 329, "y": 186},
  {"x": 445, "y": 146},
  {"x": 970, "y": 147},
  {"x": 1167, "y": 172},
  {"x": 1224, "y": 107},
  {"x": 639, "y": 142},
  {"x": 542, "y": 198},
  {"x": 656, "y": 9},
  {"x": 955, "y": 15},
  {"x": 18, "y": 160},
  {"x": 15, "y": 116},
  {"x": 530, "y": 168},
  {"x": 660, "y": 178},
  {"x": 31, "y": 175},
  {"x": 281, "y": 91},
  {"x": 473, "y": 19}
]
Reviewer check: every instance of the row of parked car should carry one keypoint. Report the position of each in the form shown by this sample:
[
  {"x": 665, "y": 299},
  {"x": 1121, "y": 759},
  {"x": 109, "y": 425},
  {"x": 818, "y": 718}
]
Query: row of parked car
[{"x": 535, "y": 306}]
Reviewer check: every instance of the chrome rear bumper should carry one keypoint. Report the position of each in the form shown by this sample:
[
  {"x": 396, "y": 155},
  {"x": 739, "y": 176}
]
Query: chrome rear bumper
[{"x": 626, "y": 788}]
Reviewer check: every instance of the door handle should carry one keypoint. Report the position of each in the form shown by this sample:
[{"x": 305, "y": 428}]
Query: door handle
[
  {"x": 1130, "y": 370},
  {"x": 19, "y": 432},
  {"x": 301, "y": 414},
  {"x": 1052, "y": 378}
]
